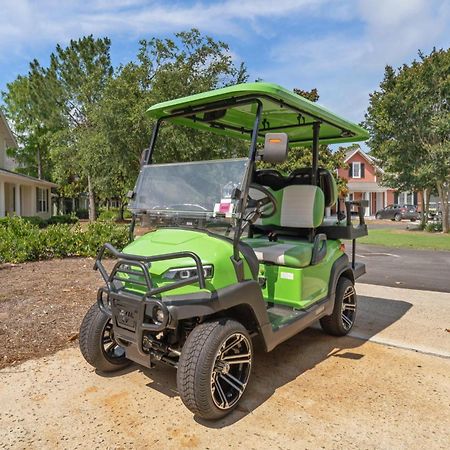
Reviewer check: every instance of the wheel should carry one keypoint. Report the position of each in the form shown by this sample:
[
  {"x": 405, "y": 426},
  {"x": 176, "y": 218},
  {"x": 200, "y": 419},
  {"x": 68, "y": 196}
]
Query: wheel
[
  {"x": 397, "y": 217},
  {"x": 341, "y": 321},
  {"x": 214, "y": 368},
  {"x": 97, "y": 342},
  {"x": 378, "y": 216}
]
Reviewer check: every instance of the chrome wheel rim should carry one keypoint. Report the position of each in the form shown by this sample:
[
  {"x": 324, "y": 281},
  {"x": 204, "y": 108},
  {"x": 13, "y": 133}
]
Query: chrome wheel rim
[
  {"x": 231, "y": 371},
  {"x": 348, "y": 310},
  {"x": 111, "y": 349}
]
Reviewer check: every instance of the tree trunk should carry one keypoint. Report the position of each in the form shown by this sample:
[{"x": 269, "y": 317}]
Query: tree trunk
[
  {"x": 39, "y": 164},
  {"x": 426, "y": 194},
  {"x": 92, "y": 211},
  {"x": 121, "y": 210},
  {"x": 443, "y": 191}
]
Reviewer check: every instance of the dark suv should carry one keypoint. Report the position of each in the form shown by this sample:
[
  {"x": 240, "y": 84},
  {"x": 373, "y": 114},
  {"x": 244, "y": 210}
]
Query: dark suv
[{"x": 398, "y": 212}]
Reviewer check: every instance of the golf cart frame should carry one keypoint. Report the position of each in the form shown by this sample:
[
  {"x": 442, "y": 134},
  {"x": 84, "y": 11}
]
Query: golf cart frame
[
  {"x": 183, "y": 307},
  {"x": 138, "y": 315}
]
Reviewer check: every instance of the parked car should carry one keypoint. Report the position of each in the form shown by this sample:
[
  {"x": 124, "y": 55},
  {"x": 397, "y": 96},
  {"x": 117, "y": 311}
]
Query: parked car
[{"x": 398, "y": 212}]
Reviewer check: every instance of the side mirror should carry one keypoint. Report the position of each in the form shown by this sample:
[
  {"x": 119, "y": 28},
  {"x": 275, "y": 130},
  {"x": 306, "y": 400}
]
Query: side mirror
[{"x": 276, "y": 146}]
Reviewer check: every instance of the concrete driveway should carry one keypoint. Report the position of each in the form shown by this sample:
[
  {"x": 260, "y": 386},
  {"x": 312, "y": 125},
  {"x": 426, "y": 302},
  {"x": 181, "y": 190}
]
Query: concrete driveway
[{"x": 386, "y": 386}]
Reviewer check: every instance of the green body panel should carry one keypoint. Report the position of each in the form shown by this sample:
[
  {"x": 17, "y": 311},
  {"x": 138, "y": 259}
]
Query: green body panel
[
  {"x": 212, "y": 250},
  {"x": 334, "y": 129},
  {"x": 299, "y": 287}
]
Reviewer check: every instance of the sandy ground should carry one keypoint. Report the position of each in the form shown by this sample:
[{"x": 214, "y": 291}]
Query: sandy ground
[{"x": 312, "y": 392}]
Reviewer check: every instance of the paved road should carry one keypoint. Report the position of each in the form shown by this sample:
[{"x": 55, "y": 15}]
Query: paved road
[
  {"x": 412, "y": 269},
  {"x": 313, "y": 391}
]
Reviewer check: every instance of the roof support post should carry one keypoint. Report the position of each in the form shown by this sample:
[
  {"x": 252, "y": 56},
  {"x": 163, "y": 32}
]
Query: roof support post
[
  {"x": 244, "y": 194},
  {"x": 149, "y": 154},
  {"x": 315, "y": 152}
]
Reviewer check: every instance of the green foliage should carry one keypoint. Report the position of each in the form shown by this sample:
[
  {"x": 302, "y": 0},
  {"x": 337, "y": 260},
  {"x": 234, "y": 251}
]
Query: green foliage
[
  {"x": 85, "y": 121},
  {"x": 22, "y": 241},
  {"x": 408, "y": 119},
  {"x": 433, "y": 227},
  {"x": 42, "y": 223},
  {"x": 112, "y": 214},
  {"x": 63, "y": 218}
]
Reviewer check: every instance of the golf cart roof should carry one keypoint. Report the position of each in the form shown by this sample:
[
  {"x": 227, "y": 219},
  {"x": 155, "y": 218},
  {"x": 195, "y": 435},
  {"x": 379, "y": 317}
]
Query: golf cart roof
[{"x": 231, "y": 112}]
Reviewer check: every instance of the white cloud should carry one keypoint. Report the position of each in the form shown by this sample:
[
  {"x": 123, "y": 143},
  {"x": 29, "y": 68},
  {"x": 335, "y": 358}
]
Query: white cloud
[
  {"x": 31, "y": 23},
  {"x": 348, "y": 64}
]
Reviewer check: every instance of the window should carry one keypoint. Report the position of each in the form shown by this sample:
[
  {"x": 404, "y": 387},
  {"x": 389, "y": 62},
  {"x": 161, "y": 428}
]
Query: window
[
  {"x": 356, "y": 172},
  {"x": 41, "y": 200}
]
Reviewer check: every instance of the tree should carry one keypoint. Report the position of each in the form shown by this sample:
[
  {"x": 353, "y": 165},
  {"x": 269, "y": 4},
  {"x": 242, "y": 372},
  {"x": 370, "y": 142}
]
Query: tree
[
  {"x": 408, "y": 121},
  {"x": 165, "y": 69}
]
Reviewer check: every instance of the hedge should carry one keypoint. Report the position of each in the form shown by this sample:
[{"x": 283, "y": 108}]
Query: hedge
[{"x": 21, "y": 240}]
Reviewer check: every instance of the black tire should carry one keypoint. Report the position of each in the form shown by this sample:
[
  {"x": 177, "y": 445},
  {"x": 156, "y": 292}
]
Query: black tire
[
  {"x": 97, "y": 343},
  {"x": 397, "y": 217},
  {"x": 202, "y": 373},
  {"x": 341, "y": 321},
  {"x": 378, "y": 216}
]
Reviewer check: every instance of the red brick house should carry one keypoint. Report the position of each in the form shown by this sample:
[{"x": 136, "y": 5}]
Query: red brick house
[{"x": 362, "y": 175}]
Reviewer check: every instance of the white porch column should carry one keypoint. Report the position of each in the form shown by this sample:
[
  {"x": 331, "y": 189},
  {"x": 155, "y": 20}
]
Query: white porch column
[
  {"x": 33, "y": 201},
  {"x": 17, "y": 200},
  {"x": 367, "y": 196},
  {"x": 2, "y": 199}
]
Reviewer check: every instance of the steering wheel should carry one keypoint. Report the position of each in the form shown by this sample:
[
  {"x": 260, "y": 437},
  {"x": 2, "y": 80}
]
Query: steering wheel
[{"x": 265, "y": 206}]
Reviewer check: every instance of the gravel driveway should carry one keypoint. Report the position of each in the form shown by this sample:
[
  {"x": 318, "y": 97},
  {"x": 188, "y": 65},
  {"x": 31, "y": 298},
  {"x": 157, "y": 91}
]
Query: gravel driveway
[{"x": 313, "y": 391}]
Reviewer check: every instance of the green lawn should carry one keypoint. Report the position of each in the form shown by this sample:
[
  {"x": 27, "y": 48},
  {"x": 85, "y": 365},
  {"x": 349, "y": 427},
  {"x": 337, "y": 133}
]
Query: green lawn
[{"x": 407, "y": 239}]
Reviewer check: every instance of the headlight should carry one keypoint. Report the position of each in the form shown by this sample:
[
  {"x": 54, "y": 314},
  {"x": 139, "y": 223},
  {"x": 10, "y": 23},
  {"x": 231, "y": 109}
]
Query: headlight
[
  {"x": 158, "y": 314},
  {"x": 182, "y": 273}
]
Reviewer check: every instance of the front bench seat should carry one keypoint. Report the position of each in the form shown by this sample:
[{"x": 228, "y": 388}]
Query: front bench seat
[{"x": 302, "y": 206}]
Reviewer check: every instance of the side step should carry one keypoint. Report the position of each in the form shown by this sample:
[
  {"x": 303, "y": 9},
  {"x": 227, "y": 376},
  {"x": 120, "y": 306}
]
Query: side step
[{"x": 287, "y": 322}]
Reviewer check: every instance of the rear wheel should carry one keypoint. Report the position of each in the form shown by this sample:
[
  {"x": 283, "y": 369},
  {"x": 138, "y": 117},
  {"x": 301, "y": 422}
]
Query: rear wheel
[
  {"x": 341, "y": 321},
  {"x": 97, "y": 343},
  {"x": 214, "y": 368}
]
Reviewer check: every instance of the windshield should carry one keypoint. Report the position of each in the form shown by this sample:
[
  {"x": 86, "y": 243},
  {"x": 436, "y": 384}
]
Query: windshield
[{"x": 201, "y": 189}]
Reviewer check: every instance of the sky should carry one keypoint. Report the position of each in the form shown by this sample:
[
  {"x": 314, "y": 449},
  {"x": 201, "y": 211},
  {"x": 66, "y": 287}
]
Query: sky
[{"x": 338, "y": 46}]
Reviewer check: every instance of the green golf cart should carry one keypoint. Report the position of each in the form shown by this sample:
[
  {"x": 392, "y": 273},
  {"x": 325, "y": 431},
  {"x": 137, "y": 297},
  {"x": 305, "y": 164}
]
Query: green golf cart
[{"x": 235, "y": 250}]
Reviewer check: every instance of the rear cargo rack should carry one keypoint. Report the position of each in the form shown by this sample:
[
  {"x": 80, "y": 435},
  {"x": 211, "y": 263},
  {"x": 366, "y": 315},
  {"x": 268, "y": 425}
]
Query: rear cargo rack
[{"x": 138, "y": 268}]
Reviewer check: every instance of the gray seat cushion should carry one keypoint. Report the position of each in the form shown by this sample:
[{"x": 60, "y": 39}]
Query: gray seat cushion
[{"x": 288, "y": 252}]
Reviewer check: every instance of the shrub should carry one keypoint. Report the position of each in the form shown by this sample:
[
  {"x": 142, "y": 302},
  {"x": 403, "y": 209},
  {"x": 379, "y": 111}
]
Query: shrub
[
  {"x": 22, "y": 241},
  {"x": 64, "y": 218},
  {"x": 112, "y": 214},
  {"x": 433, "y": 227}
]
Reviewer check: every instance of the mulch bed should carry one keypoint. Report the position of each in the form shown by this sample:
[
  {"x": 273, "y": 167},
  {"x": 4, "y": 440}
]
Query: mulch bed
[{"x": 42, "y": 305}]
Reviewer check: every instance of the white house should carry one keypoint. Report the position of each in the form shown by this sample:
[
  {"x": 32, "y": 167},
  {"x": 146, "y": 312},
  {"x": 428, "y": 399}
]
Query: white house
[{"x": 20, "y": 195}]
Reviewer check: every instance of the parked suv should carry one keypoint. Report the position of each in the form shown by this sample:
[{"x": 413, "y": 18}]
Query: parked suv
[{"x": 398, "y": 212}]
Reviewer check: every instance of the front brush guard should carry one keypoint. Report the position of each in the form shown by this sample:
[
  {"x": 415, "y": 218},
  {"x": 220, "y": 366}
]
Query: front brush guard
[{"x": 128, "y": 310}]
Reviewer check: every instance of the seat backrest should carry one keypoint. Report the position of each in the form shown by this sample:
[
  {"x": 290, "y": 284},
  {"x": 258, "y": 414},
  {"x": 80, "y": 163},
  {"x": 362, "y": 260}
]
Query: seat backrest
[
  {"x": 325, "y": 180},
  {"x": 298, "y": 206},
  {"x": 302, "y": 206}
]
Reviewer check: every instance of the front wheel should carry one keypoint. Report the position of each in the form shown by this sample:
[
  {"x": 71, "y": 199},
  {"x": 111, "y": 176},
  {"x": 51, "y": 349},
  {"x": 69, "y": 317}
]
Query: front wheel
[
  {"x": 214, "y": 368},
  {"x": 97, "y": 343},
  {"x": 341, "y": 320},
  {"x": 378, "y": 216},
  {"x": 397, "y": 217}
]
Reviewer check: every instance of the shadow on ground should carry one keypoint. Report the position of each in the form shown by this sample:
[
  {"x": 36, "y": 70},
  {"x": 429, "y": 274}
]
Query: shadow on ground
[{"x": 291, "y": 359}]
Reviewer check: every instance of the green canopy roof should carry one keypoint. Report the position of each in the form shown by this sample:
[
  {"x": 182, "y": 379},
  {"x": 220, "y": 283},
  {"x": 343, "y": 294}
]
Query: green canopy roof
[{"x": 235, "y": 109}]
